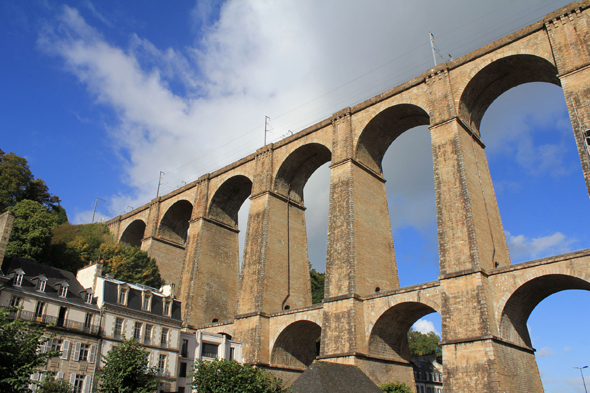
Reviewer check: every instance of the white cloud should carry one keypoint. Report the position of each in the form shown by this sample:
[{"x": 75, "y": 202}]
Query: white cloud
[
  {"x": 424, "y": 326},
  {"x": 545, "y": 351},
  {"x": 521, "y": 246}
]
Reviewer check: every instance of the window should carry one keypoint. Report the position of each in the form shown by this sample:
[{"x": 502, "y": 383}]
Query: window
[
  {"x": 181, "y": 389},
  {"x": 41, "y": 284},
  {"x": 56, "y": 344},
  {"x": 78, "y": 383},
  {"x": 184, "y": 349},
  {"x": 167, "y": 308},
  {"x": 88, "y": 320},
  {"x": 89, "y": 298},
  {"x": 182, "y": 370},
  {"x": 164, "y": 338},
  {"x": 84, "y": 348},
  {"x": 118, "y": 327},
  {"x": 63, "y": 291},
  {"x": 18, "y": 279},
  {"x": 147, "y": 301},
  {"x": 209, "y": 350},
  {"x": 137, "y": 331},
  {"x": 161, "y": 364},
  {"x": 232, "y": 353},
  {"x": 123, "y": 295},
  {"x": 147, "y": 335},
  {"x": 39, "y": 309},
  {"x": 16, "y": 301}
]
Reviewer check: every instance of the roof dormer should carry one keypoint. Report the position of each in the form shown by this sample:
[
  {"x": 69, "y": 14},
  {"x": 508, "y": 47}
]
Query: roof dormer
[
  {"x": 87, "y": 295},
  {"x": 40, "y": 282},
  {"x": 62, "y": 288},
  {"x": 19, "y": 275}
]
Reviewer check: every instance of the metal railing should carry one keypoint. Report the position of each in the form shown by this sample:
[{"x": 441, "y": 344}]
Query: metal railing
[{"x": 58, "y": 322}]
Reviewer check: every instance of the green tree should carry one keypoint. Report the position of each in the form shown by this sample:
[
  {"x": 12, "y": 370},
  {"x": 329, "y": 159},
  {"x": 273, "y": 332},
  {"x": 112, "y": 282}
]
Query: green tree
[
  {"x": 128, "y": 263},
  {"x": 317, "y": 285},
  {"x": 232, "y": 377},
  {"x": 31, "y": 230},
  {"x": 20, "y": 354},
  {"x": 17, "y": 183},
  {"x": 424, "y": 344},
  {"x": 51, "y": 385},
  {"x": 395, "y": 387},
  {"x": 126, "y": 370}
]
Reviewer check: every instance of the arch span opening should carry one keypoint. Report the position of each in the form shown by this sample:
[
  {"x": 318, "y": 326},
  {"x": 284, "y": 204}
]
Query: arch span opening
[
  {"x": 297, "y": 345},
  {"x": 523, "y": 301},
  {"x": 228, "y": 199},
  {"x": 497, "y": 78},
  {"x": 134, "y": 233},
  {"x": 389, "y": 336},
  {"x": 298, "y": 167},
  {"x": 175, "y": 223},
  {"x": 383, "y": 129}
]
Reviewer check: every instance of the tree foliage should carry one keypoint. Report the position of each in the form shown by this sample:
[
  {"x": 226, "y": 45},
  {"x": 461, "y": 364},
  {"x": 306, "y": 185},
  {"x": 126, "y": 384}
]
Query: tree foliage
[
  {"x": 51, "y": 385},
  {"x": 128, "y": 263},
  {"x": 225, "y": 376},
  {"x": 395, "y": 387},
  {"x": 424, "y": 344},
  {"x": 73, "y": 246},
  {"x": 17, "y": 183},
  {"x": 126, "y": 370},
  {"x": 317, "y": 285},
  {"x": 31, "y": 230},
  {"x": 20, "y": 354}
]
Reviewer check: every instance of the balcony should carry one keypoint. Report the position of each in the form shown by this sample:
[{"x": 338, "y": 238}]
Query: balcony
[{"x": 55, "y": 321}]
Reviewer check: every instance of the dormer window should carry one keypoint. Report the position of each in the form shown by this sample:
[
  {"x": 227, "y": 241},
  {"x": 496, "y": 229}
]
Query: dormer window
[
  {"x": 89, "y": 294},
  {"x": 18, "y": 278},
  {"x": 123, "y": 292},
  {"x": 147, "y": 301},
  {"x": 167, "y": 307},
  {"x": 41, "y": 282},
  {"x": 63, "y": 289}
]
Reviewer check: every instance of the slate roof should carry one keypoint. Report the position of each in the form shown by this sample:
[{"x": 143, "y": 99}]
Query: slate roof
[
  {"x": 326, "y": 377},
  {"x": 54, "y": 277}
]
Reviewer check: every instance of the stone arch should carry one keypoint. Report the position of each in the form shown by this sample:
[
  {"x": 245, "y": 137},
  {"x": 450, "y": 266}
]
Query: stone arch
[
  {"x": 383, "y": 129},
  {"x": 297, "y": 168},
  {"x": 296, "y": 345},
  {"x": 134, "y": 233},
  {"x": 498, "y": 77},
  {"x": 388, "y": 338},
  {"x": 521, "y": 302},
  {"x": 175, "y": 222},
  {"x": 228, "y": 199}
]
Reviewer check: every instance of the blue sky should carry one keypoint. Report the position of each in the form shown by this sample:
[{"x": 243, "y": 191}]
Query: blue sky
[{"x": 102, "y": 96}]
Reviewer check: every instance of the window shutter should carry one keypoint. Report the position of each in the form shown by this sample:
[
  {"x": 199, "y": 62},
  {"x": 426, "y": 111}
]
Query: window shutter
[
  {"x": 65, "y": 350},
  {"x": 92, "y": 355},
  {"x": 60, "y": 375},
  {"x": 42, "y": 348},
  {"x": 42, "y": 377},
  {"x": 88, "y": 384},
  {"x": 72, "y": 379},
  {"x": 77, "y": 352},
  {"x": 35, "y": 376}
]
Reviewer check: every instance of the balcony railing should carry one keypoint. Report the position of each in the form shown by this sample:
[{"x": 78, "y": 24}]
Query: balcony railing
[{"x": 58, "y": 322}]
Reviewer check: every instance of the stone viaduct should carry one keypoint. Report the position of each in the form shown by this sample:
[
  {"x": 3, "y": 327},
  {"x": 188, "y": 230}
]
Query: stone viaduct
[{"x": 484, "y": 301}]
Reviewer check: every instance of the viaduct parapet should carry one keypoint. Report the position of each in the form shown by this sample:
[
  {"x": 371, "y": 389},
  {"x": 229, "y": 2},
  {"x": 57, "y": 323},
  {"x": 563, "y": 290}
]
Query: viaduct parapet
[{"x": 484, "y": 301}]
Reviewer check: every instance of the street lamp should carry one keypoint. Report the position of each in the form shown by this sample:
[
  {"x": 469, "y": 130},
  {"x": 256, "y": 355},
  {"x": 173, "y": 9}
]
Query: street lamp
[{"x": 582, "y": 374}]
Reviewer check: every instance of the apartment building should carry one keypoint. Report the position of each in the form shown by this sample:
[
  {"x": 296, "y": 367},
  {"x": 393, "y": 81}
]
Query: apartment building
[
  {"x": 53, "y": 297},
  {"x": 149, "y": 316}
]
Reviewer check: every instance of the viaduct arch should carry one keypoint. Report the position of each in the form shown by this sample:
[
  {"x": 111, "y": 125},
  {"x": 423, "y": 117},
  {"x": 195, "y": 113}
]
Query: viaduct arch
[{"x": 483, "y": 299}]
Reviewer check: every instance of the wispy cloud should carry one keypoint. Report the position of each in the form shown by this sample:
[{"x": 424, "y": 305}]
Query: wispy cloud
[
  {"x": 521, "y": 246},
  {"x": 545, "y": 351}
]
